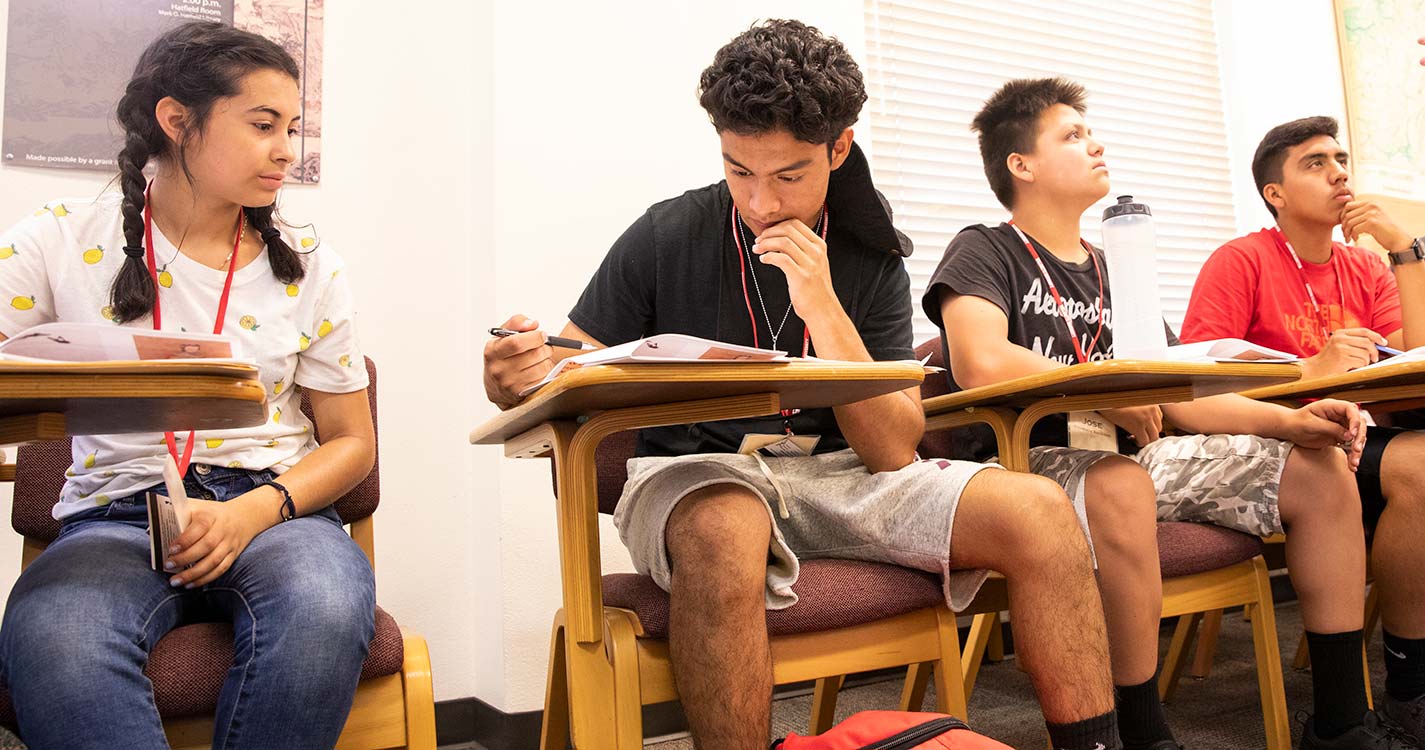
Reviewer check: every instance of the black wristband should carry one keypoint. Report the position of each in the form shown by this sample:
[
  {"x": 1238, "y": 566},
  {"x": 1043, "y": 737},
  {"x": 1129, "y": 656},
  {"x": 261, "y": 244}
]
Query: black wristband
[{"x": 288, "y": 511}]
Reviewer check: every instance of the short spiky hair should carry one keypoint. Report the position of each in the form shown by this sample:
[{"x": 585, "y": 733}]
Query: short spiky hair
[
  {"x": 1271, "y": 152},
  {"x": 783, "y": 75},
  {"x": 1009, "y": 124}
]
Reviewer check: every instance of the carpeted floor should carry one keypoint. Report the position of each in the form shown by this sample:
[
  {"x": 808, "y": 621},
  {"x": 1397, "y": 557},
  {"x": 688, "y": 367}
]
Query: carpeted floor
[{"x": 1221, "y": 712}]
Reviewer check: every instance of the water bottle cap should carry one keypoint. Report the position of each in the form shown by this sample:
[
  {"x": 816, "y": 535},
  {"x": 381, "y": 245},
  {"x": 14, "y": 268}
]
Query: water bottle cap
[{"x": 1124, "y": 207}]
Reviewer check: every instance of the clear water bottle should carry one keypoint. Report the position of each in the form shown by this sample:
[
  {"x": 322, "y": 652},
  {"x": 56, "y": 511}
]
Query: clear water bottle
[{"x": 1130, "y": 247}]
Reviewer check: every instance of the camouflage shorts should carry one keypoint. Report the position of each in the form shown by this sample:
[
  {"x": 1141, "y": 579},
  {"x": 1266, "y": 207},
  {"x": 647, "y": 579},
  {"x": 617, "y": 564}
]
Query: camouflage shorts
[{"x": 1227, "y": 480}]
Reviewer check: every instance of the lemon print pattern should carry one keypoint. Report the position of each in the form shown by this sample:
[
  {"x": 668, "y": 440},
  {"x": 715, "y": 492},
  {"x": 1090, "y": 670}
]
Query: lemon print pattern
[
  {"x": 270, "y": 444},
  {"x": 344, "y": 360},
  {"x": 7, "y": 251},
  {"x": 91, "y": 459},
  {"x": 59, "y": 210},
  {"x": 234, "y": 464},
  {"x": 278, "y": 386},
  {"x": 23, "y": 303},
  {"x": 165, "y": 278},
  {"x": 277, "y": 415},
  {"x": 292, "y": 290},
  {"x": 249, "y": 323},
  {"x": 303, "y": 342},
  {"x": 102, "y": 500},
  {"x": 213, "y": 442},
  {"x": 324, "y": 328},
  {"x": 308, "y": 242},
  {"x": 107, "y": 312},
  {"x": 94, "y": 254}
]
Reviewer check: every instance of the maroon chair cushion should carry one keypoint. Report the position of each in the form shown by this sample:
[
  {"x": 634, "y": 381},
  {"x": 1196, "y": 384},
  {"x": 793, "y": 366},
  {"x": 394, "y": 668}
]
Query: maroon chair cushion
[
  {"x": 187, "y": 666},
  {"x": 40, "y": 467},
  {"x": 832, "y": 594},
  {"x": 1188, "y": 548},
  {"x": 940, "y": 443}
]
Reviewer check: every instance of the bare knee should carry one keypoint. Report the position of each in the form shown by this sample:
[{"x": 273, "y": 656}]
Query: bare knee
[
  {"x": 1122, "y": 505},
  {"x": 1318, "y": 482},
  {"x": 726, "y": 526},
  {"x": 1022, "y": 523},
  {"x": 1402, "y": 474}
]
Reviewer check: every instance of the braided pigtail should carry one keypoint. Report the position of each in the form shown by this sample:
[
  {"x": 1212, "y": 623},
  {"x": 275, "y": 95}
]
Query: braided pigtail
[
  {"x": 286, "y": 264},
  {"x": 132, "y": 294}
]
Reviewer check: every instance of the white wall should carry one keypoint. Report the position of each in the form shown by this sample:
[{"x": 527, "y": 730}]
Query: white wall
[
  {"x": 481, "y": 165},
  {"x": 403, "y": 201},
  {"x": 1279, "y": 63}
]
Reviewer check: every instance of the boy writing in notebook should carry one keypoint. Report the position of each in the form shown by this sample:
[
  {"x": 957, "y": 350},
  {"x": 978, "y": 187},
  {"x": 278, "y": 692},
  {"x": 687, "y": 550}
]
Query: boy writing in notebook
[
  {"x": 1031, "y": 295},
  {"x": 1293, "y": 288},
  {"x": 795, "y": 250}
]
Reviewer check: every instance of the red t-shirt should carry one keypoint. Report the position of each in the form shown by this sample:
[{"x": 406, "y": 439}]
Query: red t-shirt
[{"x": 1251, "y": 289}]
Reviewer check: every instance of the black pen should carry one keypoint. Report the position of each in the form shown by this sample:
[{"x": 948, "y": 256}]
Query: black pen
[{"x": 558, "y": 341}]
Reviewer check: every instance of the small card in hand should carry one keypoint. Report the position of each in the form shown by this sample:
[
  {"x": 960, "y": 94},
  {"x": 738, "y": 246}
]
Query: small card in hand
[{"x": 167, "y": 515}]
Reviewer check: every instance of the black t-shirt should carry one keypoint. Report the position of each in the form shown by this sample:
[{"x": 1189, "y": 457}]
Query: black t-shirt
[
  {"x": 992, "y": 263},
  {"x": 677, "y": 270}
]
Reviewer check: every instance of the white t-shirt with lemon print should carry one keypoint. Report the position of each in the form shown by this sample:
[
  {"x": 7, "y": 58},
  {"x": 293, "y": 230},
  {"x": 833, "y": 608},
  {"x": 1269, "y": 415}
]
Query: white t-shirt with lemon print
[{"x": 59, "y": 264}]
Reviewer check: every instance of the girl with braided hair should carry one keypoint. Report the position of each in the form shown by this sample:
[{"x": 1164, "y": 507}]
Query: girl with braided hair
[{"x": 212, "y": 111}]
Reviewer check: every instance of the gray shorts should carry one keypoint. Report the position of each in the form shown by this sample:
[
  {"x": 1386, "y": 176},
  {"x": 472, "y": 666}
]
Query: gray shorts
[
  {"x": 822, "y": 506},
  {"x": 1232, "y": 481}
]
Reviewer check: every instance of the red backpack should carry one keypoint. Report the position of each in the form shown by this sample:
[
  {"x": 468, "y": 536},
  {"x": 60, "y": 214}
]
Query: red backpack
[{"x": 894, "y": 730}]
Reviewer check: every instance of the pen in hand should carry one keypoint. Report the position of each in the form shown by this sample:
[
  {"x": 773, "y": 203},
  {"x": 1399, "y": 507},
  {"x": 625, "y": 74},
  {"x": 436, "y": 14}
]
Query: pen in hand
[{"x": 558, "y": 341}]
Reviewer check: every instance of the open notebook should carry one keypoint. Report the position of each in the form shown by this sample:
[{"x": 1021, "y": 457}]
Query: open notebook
[
  {"x": 104, "y": 342},
  {"x": 1227, "y": 350},
  {"x": 666, "y": 348}
]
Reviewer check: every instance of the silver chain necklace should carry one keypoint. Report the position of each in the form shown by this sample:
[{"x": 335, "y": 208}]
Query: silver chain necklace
[{"x": 747, "y": 247}]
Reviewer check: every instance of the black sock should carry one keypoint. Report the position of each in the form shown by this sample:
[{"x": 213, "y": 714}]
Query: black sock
[
  {"x": 1140, "y": 715},
  {"x": 1338, "y": 683},
  {"x": 1404, "y": 667},
  {"x": 1099, "y": 732}
]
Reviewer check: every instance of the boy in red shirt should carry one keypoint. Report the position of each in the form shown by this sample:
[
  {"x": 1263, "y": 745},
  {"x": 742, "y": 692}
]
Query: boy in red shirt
[{"x": 1291, "y": 287}]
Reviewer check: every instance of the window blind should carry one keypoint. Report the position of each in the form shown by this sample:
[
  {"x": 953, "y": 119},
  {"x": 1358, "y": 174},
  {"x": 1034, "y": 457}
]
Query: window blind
[{"x": 1155, "y": 101}]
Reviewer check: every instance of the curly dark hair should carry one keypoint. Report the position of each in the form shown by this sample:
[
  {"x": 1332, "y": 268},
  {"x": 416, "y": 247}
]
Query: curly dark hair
[
  {"x": 1267, "y": 162},
  {"x": 1008, "y": 123},
  {"x": 197, "y": 64},
  {"x": 783, "y": 75}
]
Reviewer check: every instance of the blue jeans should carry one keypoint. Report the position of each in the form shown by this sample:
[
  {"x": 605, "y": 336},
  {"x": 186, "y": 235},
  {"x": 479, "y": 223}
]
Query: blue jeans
[{"x": 83, "y": 617}]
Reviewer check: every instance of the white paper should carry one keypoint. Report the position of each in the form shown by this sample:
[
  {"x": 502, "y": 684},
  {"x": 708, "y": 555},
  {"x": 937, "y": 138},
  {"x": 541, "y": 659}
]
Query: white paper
[
  {"x": 93, "y": 342},
  {"x": 1228, "y": 350},
  {"x": 665, "y": 347}
]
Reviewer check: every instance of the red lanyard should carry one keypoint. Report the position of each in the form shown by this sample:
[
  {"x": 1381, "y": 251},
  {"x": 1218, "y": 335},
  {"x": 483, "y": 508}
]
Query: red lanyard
[
  {"x": 787, "y": 414},
  {"x": 1321, "y": 318},
  {"x": 1059, "y": 302},
  {"x": 168, "y": 437}
]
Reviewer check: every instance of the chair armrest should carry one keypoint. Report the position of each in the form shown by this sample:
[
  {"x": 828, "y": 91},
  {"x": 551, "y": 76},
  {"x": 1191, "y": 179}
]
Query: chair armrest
[{"x": 7, "y": 472}]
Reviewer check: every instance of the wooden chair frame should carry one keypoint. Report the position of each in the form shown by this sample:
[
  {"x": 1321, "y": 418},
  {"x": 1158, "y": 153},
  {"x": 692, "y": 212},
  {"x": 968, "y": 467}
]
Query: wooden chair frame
[
  {"x": 1244, "y": 584},
  {"x": 395, "y": 711},
  {"x": 603, "y": 668}
]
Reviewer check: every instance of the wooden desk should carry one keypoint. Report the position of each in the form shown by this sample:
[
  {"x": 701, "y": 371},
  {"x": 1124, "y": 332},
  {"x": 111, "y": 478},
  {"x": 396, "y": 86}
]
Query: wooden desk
[
  {"x": 567, "y": 420},
  {"x": 1388, "y": 387},
  {"x": 1095, "y": 385},
  {"x": 41, "y": 401}
]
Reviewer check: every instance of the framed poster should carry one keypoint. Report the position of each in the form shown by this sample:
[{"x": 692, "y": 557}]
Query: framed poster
[
  {"x": 66, "y": 65},
  {"x": 1385, "y": 94}
]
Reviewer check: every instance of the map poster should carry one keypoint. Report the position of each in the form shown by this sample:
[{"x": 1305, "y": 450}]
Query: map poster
[
  {"x": 67, "y": 63},
  {"x": 1385, "y": 94}
]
